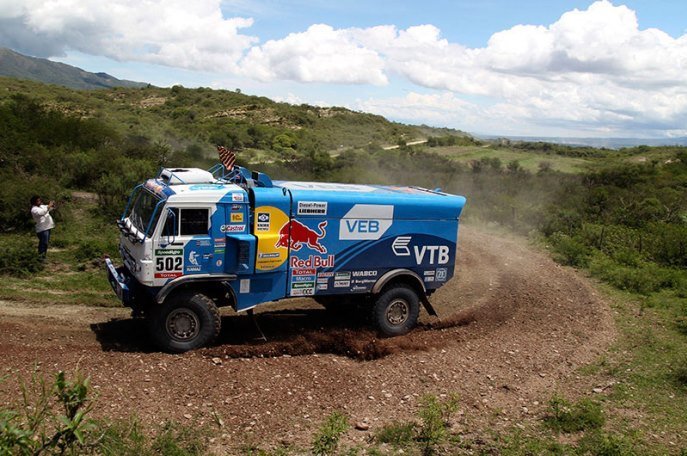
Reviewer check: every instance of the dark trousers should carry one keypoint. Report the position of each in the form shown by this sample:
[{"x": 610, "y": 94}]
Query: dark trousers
[{"x": 43, "y": 239}]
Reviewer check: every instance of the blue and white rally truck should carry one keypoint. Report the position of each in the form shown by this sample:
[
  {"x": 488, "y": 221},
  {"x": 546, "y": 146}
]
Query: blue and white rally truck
[{"x": 195, "y": 240}]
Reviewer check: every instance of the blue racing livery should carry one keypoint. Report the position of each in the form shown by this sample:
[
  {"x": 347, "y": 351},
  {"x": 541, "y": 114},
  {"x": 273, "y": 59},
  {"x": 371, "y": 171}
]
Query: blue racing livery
[{"x": 194, "y": 240}]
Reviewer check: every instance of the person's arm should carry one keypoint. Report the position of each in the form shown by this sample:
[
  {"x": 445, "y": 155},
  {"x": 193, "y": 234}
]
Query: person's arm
[{"x": 40, "y": 210}]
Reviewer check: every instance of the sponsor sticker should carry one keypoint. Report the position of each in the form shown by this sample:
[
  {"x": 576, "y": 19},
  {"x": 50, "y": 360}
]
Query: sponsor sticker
[
  {"x": 166, "y": 252},
  {"x": 429, "y": 278},
  {"x": 303, "y": 272},
  {"x": 203, "y": 243},
  {"x": 206, "y": 187},
  {"x": 296, "y": 279},
  {"x": 168, "y": 275},
  {"x": 271, "y": 254},
  {"x": 237, "y": 197},
  {"x": 312, "y": 208},
  {"x": 232, "y": 228},
  {"x": 313, "y": 262},
  {"x": 342, "y": 283},
  {"x": 244, "y": 286},
  {"x": 342, "y": 276},
  {"x": 236, "y": 207},
  {"x": 366, "y": 222},
  {"x": 296, "y": 235},
  {"x": 322, "y": 280},
  {"x": 322, "y": 286},
  {"x": 325, "y": 274},
  {"x": 442, "y": 274},
  {"x": 237, "y": 217},
  {"x": 263, "y": 221},
  {"x": 193, "y": 257},
  {"x": 364, "y": 273},
  {"x": 429, "y": 273}
]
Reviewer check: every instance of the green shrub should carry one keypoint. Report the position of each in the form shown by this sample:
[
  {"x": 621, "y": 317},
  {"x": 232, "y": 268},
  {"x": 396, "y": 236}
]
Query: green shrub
[
  {"x": 19, "y": 257},
  {"x": 563, "y": 416},
  {"x": 51, "y": 419},
  {"x": 327, "y": 438},
  {"x": 681, "y": 372},
  {"x": 601, "y": 444},
  {"x": 569, "y": 251},
  {"x": 92, "y": 249},
  {"x": 396, "y": 434},
  {"x": 435, "y": 416}
]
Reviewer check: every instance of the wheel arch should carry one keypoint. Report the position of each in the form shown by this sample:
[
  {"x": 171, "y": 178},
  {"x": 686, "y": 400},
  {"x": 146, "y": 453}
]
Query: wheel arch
[
  {"x": 407, "y": 277},
  {"x": 215, "y": 287}
]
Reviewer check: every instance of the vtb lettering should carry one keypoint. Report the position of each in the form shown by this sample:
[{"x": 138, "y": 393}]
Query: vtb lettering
[
  {"x": 363, "y": 226},
  {"x": 437, "y": 254}
]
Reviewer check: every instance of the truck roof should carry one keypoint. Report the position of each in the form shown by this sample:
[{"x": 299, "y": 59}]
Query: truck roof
[{"x": 409, "y": 203}]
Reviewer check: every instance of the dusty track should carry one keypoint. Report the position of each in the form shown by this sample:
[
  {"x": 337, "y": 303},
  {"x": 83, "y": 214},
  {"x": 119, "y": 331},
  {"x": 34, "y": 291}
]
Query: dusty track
[{"x": 514, "y": 327}]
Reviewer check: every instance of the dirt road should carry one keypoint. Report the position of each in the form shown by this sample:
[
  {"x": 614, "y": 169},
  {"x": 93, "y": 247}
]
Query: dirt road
[{"x": 514, "y": 327}]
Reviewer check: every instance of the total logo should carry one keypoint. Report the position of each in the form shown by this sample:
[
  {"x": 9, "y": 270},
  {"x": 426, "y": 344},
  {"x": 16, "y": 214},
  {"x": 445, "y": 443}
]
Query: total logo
[{"x": 432, "y": 254}]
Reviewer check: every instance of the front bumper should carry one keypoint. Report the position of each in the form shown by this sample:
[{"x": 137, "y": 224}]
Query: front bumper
[{"x": 120, "y": 281}]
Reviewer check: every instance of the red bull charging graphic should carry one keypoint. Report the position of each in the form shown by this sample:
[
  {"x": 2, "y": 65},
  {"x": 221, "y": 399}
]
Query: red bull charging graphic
[{"x": 294, "y": 235}]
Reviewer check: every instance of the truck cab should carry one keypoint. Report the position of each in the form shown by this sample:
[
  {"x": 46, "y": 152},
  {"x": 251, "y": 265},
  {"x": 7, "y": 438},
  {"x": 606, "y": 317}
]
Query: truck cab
[{"x": 195, "y": 240}]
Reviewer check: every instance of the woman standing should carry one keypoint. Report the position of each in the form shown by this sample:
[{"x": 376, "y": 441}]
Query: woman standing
[{"x": 44, "y": 222}]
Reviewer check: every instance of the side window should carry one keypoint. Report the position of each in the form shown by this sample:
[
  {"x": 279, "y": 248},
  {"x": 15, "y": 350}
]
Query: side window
[
  {"x": 172, "y": 223},
  {"x": 194, "y": 222}
]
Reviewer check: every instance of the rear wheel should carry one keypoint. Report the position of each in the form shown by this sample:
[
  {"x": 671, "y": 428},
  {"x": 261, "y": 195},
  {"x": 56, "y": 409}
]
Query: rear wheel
[
  {"x": 396, "y": 310},
  {"x": 184, "y": 322}
]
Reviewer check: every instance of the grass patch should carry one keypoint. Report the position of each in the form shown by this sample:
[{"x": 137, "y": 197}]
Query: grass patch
[
  {"x": 397, "y": 434},
  {"x": 326, "y": 441},
  {"x": 563, "y": 416}
]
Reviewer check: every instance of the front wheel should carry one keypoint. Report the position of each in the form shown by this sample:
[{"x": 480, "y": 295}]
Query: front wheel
[
  {"x": 396, "y": 310},
  {"x": 184, "y": 322}
]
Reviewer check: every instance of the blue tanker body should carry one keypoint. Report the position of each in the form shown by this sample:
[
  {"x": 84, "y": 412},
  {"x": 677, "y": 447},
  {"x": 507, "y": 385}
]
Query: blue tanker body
[{"x": 192, "y": 241}]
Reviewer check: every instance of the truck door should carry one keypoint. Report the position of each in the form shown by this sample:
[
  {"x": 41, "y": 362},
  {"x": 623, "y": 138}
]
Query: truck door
[{"x": 184, "y": 246}]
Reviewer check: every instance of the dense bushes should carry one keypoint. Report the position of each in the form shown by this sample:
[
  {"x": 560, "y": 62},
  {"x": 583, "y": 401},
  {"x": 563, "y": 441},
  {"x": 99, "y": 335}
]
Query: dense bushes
[{"x": 19, "y": 256}]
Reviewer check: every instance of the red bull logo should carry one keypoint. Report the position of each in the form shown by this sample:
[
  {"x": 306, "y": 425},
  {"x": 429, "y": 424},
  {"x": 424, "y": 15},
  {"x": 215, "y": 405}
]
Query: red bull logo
[{"x": 294, "y": 235}]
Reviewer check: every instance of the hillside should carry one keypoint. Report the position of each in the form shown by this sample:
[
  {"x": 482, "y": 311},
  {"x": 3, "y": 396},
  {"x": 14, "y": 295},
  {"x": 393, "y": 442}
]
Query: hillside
[
  {"x": 201, "y": 117},
  {"x": 15, "y": 65}
]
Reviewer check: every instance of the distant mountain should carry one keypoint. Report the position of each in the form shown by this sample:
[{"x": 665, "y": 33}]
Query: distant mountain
[
  {"x": 15, "y": 65},
  {"x": 608, "y": 143}
]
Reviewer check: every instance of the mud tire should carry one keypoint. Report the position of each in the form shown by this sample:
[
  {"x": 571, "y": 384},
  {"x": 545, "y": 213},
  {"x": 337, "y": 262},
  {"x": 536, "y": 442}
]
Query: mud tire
[
  {"x": 184, "y": 322},
  {"x": 396, "y": 310}
]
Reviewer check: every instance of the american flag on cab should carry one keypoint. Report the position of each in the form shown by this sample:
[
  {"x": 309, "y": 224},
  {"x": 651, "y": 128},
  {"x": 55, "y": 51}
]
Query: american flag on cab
[{"x": 227, "y": 157}]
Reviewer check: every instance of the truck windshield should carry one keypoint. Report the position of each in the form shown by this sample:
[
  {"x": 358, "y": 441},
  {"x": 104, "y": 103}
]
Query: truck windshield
[{"x": 143, "y": 210}]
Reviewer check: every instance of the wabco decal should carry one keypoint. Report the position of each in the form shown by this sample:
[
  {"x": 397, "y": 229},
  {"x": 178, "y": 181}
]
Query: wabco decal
[
  {"x": 294, "y": 235},
  {"x": 366, "y": 222},
  {"x": 433, "y": 254}
]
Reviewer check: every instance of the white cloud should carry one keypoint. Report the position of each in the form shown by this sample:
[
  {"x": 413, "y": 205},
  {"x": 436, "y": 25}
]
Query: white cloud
[
  {"x": 176, "y": 33},
  {"x": 320, "y": 54},
  {"x": 591, "y": 70}
]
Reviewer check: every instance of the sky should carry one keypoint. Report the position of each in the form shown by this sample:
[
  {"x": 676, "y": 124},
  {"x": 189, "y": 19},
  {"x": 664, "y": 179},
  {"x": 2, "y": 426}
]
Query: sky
[{"x": 546, "y": 68}]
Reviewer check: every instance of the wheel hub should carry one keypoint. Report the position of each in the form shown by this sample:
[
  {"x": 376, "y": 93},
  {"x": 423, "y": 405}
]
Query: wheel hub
[
  {"x": 182, "y": 324},
  {"x": 397, "y": 312}
]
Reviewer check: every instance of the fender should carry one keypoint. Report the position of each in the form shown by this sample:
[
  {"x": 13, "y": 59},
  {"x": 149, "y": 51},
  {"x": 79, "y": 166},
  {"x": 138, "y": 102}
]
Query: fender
[
  {"x": 394, "y": 273},
  {"x": 183, "y": 280}
]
